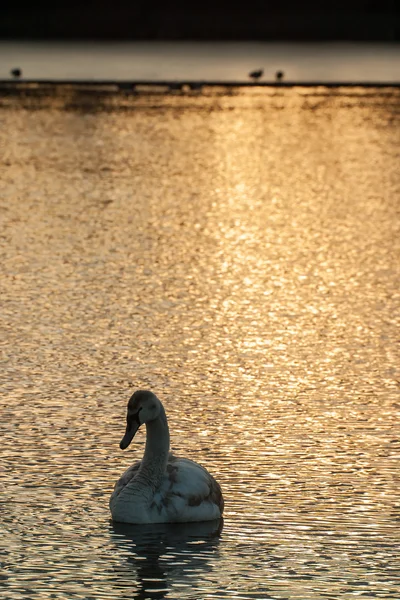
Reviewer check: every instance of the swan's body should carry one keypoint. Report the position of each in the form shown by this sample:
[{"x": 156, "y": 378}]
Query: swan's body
[{"x": 161, "y": 488}]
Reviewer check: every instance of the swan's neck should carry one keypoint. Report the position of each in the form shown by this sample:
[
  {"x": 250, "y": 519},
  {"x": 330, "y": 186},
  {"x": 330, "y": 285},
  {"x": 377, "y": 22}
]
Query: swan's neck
[{"x": 156, "y": 453}]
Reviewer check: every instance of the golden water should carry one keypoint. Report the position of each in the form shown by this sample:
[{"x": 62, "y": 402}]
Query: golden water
[{"x": 238, "y": 255}]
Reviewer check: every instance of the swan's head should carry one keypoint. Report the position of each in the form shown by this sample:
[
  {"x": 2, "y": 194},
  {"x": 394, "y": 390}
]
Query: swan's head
[{"x": 143, "y": 407}]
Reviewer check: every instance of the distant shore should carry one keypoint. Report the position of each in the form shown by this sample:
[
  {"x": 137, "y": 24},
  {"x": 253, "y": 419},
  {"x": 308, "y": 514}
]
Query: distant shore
[{"x": 222, "y": 63}]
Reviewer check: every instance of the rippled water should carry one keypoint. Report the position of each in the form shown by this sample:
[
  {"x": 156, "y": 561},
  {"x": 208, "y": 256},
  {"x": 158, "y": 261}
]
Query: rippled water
[{"x": 239, "y": 255}]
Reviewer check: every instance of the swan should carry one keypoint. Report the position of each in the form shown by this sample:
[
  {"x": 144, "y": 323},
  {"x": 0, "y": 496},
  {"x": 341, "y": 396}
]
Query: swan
[{"x": 161, "y": 488}]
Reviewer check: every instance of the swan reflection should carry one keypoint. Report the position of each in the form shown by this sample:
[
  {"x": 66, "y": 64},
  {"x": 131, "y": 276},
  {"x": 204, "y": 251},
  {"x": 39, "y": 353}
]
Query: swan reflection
[{"x": 160, "y": 555}]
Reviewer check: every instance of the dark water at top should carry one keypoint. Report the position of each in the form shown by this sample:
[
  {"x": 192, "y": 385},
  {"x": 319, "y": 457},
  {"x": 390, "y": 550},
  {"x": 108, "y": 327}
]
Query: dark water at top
[{"x": 239, "y": 255}]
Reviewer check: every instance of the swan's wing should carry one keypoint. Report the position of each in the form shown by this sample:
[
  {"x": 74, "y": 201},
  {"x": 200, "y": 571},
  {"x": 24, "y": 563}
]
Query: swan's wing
[
  {"x": 194, "y": 482},
  {"x": 188, "y": 491},
  {"x": 125, "y": 478}
]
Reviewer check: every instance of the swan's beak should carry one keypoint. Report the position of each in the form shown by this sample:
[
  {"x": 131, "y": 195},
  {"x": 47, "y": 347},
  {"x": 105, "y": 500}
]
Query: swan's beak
[
  {"x": 132, "y": 425},
  {"x": 129, "y": 435}
]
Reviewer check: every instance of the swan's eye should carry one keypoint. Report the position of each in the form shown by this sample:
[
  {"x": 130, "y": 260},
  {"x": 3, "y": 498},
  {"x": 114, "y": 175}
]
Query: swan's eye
[{"x": 134, "y": 416}]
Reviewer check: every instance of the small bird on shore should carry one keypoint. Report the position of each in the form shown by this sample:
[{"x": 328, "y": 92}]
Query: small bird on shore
[
  {"x": 16, "y": 72},
  {"x": 256, "y": 75},
  {"x": 279, "y": 75}
]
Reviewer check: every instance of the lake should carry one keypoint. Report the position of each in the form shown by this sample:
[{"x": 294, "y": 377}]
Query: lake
[{"x": 238, "y": 254}]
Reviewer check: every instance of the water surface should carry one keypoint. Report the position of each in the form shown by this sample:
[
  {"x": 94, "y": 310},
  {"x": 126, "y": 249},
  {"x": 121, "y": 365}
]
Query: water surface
[{"x": 238, "y": 255}]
